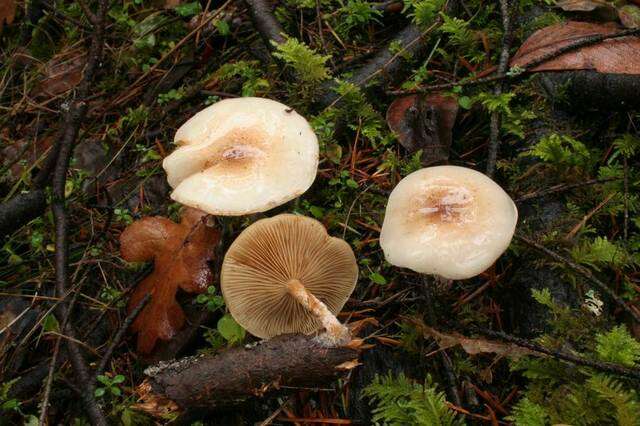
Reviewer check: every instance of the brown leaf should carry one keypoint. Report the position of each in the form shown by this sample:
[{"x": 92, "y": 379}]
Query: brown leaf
[
  {"x": 181, "y": 253},
  {"x": 424, "y": 123},
  {"x": 583, "y": 5},
  {"x": 470, "y": 345},
  {"x": 615, "y": 56},
  {"x": 7, "y": 12},
  {"x": 63, "y": 72},
  {"x": 601, "y": 10}
]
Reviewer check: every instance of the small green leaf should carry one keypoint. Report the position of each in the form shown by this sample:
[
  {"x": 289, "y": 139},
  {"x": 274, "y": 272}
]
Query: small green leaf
[
  {"x": 223, "y": 28},
  {"x": 230, "y": 329},
  {"x": 118, "y": 379},
  {"x": 99, "y": 392},
  {"x": 465, "y": 102},
  {"x": 377, "y": 278},
  {"x": 103, "y": 379},
  {"x": 50, "y": 323},
  {"x": 188, "y": 10},
  {"x": 115, "y": 391}
]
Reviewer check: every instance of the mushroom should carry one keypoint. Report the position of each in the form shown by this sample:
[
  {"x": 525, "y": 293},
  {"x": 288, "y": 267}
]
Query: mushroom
[
  {"x": 242, "y": 156},
  {"x": 448, "y": 221},
  {"x": 285, "y": 274}
]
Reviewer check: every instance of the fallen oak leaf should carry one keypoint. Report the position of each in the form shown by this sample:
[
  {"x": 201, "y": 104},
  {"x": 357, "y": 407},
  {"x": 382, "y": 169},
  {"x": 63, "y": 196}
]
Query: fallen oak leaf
[
  {"x": 7, "y": 12},
  {"x": 61, "y": 73},
  {"x": 424, "y": 122},
  {"x": 614, "y": 56},
  {"x": 472, "y": 346},
  {"x": 181, "y": 253},
  {"x": 600, "y": 9}
]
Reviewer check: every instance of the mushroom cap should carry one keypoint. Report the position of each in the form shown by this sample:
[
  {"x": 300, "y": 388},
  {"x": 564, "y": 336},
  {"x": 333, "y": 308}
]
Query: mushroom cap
[
  {"x": 448, "y": 221},
  {"x": 272, "y": 252},
  {"x": 242, "y": 156}
]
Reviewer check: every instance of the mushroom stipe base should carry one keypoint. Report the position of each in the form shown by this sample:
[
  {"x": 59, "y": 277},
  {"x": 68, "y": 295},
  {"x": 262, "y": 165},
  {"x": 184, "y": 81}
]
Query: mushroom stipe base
[{"x": 335, "y": 333}]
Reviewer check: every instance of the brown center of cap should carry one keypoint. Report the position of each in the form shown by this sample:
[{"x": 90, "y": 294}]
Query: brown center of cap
[
  {"x": 444, "y": 203},
  {"x": 238, "y": 149}
]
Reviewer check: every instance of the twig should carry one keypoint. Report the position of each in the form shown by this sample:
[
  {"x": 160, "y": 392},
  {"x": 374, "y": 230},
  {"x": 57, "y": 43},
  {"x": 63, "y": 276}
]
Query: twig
[
  {"x": 120, "y": 334},
  {"x": 584, "y": 42},
  {"x": 76, "y": 111},
  {"x": 446, "y": 361},
  {"x": 582, "y": 271},
  {"x": 266, "y": 24},
  {"x": 601, "y": 366},
  {"x": 563, "y": 188},
  {"x": 21, "y": 209},
  {"x": 494, "y": 138},
  {"x": 53, "y": 363}
]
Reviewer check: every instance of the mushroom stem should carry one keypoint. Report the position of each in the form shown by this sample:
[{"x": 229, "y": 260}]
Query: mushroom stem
[{"x": 335, "y": 331}]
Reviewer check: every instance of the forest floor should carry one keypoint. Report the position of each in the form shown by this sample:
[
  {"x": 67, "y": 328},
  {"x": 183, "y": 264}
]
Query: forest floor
[{"x": 93, "y": 91}]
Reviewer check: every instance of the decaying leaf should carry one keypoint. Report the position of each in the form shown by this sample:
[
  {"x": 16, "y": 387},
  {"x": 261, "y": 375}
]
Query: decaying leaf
[
  {"x": 600, "y": 9},
  {"x": 181, "y": 253},
  {"x": 62, "y": 73},
  {"x": 615, "y": 56},
  {"x": 470, "y": 345},
  {"x": 7, "y": 12},
  {"x": 424, "y": 122}
]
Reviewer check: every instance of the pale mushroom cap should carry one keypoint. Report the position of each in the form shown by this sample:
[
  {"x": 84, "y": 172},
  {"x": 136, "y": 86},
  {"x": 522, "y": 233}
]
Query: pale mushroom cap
[
  {"x": 448, "y": 221},
  {"x": 242, "y": 156},
  {"x": 268, "y": 255}
]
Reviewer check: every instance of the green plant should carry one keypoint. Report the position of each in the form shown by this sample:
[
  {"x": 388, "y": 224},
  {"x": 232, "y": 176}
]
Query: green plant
[
  {"x": 211, "y": 299},
  {"x": 400, "y": 401},
  {"x": 423, "y": 12},
  {"x": 561, "y": 150},
  {"x": 356, "y": 14},
  {"x": 254, "y": 82},
  {"x": 618, "y": 346},
  {"x": 110, "y": 385},
  {"x": 308, "y": 65},
  {"x": 527, "y": 413}
]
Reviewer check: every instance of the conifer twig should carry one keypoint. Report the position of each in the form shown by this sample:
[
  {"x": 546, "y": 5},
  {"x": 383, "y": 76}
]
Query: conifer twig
[
  {"x": 607, "y": 367},
  {"x": 584, "y": 272}
]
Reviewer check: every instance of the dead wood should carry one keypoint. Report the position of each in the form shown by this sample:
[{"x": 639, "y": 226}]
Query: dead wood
[{"x": 237, "y": 374}]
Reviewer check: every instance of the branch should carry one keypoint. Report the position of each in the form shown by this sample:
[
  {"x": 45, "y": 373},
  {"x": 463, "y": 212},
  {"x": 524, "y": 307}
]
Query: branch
[
  {"x": 243, "y": 372},
  {"x": 582, "y": 271},
  {"x": 584, "y": 42},
  {"x": 73, "y": 118},
  {"x": 494, "y": 141},
  {"x": 120, "y": 334},
  {"x": 21, "y": 209},
  {"x": 601, "y": 366},
  {"x": 266, "y": 24}
]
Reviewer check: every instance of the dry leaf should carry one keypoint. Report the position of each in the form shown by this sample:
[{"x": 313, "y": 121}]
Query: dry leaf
[
  {"x": 63, "y": 72},
  {"x": 597, "y": 9},
  {"x": 348, "y": 365},
  {"x": 582, "y": 5},
  {"x": 7, "y": 12},
  {"x": 181, "y": 253},
  {"x": 615, "y": 56},
  {"x": 470, "y": 345},
  {"x": 424, "y": 123}
]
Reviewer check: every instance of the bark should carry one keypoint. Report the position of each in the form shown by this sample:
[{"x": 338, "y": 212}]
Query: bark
[
  {"x": 237, "y": 374},
  {"x": 21, "y": 209},
  {"x": 587, "y": 90}
]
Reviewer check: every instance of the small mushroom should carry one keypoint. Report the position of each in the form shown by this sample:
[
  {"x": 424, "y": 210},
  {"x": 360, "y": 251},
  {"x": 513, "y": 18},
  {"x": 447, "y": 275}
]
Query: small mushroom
[
  {"x": 447, "y": 221},
  {"x": 286, "y": 275},
  {"x": 242, "y": 156}
]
